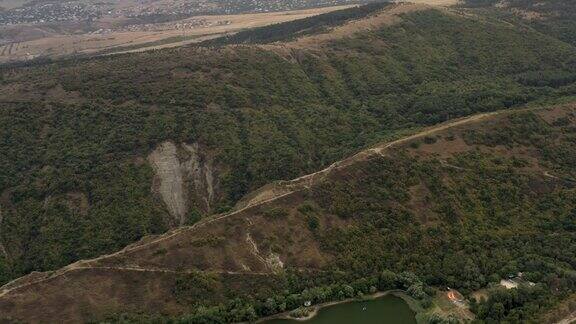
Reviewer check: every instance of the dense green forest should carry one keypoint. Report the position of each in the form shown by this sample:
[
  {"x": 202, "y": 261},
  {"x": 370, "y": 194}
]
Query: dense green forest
[
  {"x": 487, "y": 214},
  {"x": 488, "y": 218},
  {"x": 74, "y": 134}
]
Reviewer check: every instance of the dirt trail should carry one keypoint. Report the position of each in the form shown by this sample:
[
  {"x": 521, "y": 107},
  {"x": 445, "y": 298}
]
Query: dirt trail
[
  {"x": 85, "y": 264},
  {"x": 295, "y": 185},
  {"x": 547, "y": 174},
  {"x": 379, "y": 149},
  {"x": 568, "y": 320},
  {"x": 138, "y": 269}
]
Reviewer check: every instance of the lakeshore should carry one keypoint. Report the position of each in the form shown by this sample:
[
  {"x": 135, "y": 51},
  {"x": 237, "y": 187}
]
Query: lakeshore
[{"x": 412, "y": 305}]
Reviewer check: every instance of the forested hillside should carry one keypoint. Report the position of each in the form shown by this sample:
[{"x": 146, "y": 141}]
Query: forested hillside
[
  {"x": 77, "y": 173},
  {"x": 461, "y": 205},
  {"x": 552, "y": 17}
]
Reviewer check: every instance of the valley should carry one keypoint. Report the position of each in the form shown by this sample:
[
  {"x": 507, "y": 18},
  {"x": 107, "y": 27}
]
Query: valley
[
  {"x": 282, "y": 214},
  {"x": 106, "y": 39},
  {"x": 51, "y": 30},
  {"x": 292, "y": 159}
]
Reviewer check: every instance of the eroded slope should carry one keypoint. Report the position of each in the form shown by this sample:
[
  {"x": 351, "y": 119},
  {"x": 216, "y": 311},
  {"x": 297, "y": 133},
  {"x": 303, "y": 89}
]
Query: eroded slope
[
  {"x": 75, "y": 181},
  {"x": 478, "y": 194}
]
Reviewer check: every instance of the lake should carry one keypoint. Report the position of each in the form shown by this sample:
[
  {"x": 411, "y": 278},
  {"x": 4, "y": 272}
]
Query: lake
[{"x": 383, "y": 310}]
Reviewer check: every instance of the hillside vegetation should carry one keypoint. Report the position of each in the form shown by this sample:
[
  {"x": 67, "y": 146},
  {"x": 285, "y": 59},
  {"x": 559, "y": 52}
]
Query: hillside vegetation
[
  {"x": 462, "y": 206},
  {"x": 552, "y": 17},
  {"x": 75, "y": 136}
]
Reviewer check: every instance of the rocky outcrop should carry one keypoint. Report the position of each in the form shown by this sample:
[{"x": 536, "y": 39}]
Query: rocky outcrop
[
  {"x": 184, "y": 178},
  {"x": 170, "y": 178},
  {"x": 271, "y": 260},
  {"x": 200, "y": 172}
]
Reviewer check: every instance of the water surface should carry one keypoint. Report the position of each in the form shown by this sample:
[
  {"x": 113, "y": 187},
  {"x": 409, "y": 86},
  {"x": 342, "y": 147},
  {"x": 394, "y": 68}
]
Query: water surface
[{"x": 384, "y": 310}]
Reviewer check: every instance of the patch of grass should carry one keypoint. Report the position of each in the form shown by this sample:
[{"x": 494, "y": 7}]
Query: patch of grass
[{"x": 275, "y": 213}]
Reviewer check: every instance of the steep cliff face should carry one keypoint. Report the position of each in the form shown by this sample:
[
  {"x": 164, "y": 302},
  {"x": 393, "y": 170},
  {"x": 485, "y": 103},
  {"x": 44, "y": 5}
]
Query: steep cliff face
[
  {"x": 199, "y": 171},
  {"x": 184, "y": 179},
  {"x": 169, "y": 180}
]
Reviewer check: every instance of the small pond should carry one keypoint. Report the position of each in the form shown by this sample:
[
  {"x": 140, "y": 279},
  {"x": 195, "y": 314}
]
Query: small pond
[{"x": 383, "y": 310}]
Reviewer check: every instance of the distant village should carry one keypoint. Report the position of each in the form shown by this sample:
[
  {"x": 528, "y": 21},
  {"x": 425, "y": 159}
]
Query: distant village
[
  {"x": 78, "y": 11},
  {"x": 49, "y": 13},
  {"x": 178, "y": 25}
]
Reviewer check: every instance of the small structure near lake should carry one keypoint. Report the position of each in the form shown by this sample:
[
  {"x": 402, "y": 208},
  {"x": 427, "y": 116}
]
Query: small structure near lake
[
  {"x": 508, "y": 283},
  {"x": 514, "y": 281}
]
